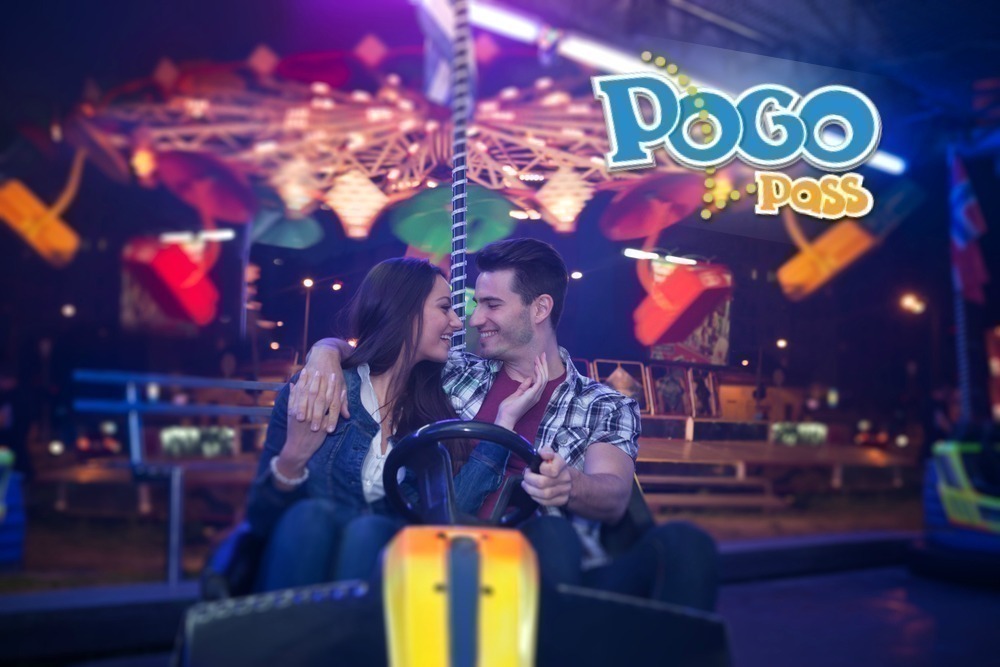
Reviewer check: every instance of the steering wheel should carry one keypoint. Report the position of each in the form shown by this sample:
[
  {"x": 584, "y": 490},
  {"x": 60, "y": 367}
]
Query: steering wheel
[{"x": 422, "y": 452}]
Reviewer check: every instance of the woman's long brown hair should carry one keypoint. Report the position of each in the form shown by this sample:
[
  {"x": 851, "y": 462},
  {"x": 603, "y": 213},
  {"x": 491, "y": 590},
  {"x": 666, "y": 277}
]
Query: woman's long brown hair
[{"x": 386, "y": 318}]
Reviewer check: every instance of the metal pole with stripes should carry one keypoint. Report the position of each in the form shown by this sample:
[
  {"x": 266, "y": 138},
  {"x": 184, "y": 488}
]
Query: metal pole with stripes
[{"x": 461, "y": 110}]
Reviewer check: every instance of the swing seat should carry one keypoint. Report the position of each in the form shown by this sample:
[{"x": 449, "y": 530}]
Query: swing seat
[
  {"x": 44, "y": 231},
  {"x": 828, "y": 255}
]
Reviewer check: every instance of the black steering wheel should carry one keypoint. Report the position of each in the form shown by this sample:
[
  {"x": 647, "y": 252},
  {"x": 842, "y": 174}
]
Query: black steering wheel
[{"x": 422, "y": 452}]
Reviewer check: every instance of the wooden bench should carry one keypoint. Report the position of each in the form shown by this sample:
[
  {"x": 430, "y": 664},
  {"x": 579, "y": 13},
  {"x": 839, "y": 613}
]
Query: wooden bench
[
  {"x": 718, "y": 470},
  {"x": 690, "y": 491},
  {"x": 667, "y": 501}
]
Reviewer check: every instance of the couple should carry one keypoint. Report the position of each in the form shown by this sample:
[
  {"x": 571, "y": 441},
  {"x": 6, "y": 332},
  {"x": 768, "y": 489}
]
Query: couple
[{"x": 320, "y": 483}]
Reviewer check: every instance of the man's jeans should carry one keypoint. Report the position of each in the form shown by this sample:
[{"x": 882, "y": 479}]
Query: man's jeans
[{"x": 676, "y": 562}]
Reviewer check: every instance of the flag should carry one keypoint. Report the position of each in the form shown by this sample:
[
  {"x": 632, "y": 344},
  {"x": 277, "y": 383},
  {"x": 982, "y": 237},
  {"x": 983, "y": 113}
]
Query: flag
[{"x": 969, "y": 272}]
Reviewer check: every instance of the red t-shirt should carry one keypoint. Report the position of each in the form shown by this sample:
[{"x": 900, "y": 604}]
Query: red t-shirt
[{"x": 526, "y": 427}]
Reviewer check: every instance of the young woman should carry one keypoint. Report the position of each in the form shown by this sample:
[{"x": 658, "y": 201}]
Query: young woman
[{"x": 311, "y": 483}]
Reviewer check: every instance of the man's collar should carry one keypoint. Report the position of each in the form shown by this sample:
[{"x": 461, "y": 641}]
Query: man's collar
[
  {"x": 495, "y": 365},
  {"x": 572, "y": 374}
]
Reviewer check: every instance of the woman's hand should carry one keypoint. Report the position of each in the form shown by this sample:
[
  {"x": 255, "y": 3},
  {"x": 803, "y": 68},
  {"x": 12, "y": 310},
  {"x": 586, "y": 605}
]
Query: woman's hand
[
  {"x": 517, "y": 404},
  {"x": 303, "y": 439}
]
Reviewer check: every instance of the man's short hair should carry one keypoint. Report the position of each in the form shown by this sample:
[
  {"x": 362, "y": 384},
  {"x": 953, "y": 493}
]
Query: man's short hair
[{"x": 538, "y": 269}]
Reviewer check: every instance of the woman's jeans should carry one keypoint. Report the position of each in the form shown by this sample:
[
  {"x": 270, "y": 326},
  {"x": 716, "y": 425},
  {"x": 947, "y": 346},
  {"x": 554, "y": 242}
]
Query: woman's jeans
[
  {"x": 305, "y": 546},
  {"x": 364, "y": 538}
]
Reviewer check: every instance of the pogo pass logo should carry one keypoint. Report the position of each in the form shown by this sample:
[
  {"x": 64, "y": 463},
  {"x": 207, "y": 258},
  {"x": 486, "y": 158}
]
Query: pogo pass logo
[{"x": 768, "y": 126}]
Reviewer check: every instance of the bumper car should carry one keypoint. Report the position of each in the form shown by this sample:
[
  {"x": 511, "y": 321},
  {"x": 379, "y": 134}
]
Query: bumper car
[
  {"x": 449, "y": 594},
  {"x": 962, "y": 512}
]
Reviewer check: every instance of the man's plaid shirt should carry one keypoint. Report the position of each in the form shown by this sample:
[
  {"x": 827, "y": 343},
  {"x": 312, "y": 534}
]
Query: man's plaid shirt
[{"x": 580, "y": 412}]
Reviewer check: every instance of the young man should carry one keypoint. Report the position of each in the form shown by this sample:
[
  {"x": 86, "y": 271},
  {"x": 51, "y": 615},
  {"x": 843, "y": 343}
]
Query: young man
[{"x": 586, "y": 433}]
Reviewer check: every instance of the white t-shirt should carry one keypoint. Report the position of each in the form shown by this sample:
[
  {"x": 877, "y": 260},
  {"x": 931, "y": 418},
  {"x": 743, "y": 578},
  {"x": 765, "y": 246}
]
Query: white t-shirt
[{"x": 371, "y": 469}]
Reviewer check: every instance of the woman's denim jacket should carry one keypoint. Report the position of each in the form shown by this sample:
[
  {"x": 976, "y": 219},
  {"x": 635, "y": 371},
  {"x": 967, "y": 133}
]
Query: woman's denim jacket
[{"x": 335, "y": 468}]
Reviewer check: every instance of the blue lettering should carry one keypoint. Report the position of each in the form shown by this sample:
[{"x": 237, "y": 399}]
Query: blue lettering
[
  {"x": 725, "y": 138},
  {"x": 632, "y": 139},
  {"x": 857, "y": 117},
  {"x": 773, "y": 134},
  {"x": 768, "y": 126}
]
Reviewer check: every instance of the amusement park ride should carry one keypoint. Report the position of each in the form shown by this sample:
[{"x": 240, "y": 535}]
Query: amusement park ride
[{"x": 344, "y": 134}]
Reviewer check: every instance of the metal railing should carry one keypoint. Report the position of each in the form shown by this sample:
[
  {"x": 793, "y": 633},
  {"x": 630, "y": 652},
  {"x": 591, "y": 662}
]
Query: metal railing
[{"x": 134, "y": 406}]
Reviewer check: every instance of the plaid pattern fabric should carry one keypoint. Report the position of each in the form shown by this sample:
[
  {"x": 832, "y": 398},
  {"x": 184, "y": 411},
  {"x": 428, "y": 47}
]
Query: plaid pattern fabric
[{"x": 580, "y": 412}]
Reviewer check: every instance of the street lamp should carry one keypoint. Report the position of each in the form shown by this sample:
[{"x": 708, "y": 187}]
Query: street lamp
[
  {"x": 912, "y": 303},
  {"x": 307, "y": 283},
  {"x": 781, "y": 343}
]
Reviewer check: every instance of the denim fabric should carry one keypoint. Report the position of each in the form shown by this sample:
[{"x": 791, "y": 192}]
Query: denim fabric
[
  {"x": 363, "y": 540},
  {"x": 366, "y": 536},
  {"x": 480, "y": 476},
  {"x": 303, "y": 546},
  {"x": 676, "y": 562},
  {"x": 334, "y": 470},
  {"x": 303, "y": 527}
]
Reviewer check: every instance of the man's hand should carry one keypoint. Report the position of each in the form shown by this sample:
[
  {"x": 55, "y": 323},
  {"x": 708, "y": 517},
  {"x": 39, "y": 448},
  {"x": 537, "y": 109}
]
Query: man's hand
[
  {"x": 600, "y": 491},
  {"x": 552, "y": 486},
  {"x": 313, "y": 406},
  {"x": 301, "y": 441}
]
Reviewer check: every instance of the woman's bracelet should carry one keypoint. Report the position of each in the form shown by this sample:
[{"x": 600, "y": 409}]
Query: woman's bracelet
[{"x": 287, "y": 481}]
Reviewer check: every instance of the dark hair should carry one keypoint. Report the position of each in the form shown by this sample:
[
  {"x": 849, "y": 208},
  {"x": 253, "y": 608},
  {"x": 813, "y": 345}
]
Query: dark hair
[
  {"x": 386, "y": 318},
  {"x": 538, "y": 269}
]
